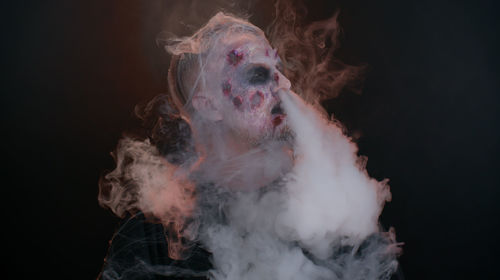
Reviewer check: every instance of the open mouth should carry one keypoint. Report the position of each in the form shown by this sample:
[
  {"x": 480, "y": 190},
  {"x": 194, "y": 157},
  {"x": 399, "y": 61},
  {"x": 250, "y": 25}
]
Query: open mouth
[{"x": 278, "y": 115}]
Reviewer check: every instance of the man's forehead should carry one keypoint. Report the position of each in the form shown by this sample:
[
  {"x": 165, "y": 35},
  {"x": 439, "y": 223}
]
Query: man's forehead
[
  {"x": 250, "y": 52},
  {"x": 249, "y": 47}
]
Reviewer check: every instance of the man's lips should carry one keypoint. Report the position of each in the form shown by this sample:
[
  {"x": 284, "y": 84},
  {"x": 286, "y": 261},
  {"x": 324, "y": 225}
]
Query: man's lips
[
  {"x": 278, "y": 119},
  {"x": 278, "y": 115}
]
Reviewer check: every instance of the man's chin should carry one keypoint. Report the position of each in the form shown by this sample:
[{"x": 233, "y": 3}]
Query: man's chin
[
  {"x": 272, "y": 133},
  {"x": 283, "y": 133},
  {"x": 279, "y": 133}
]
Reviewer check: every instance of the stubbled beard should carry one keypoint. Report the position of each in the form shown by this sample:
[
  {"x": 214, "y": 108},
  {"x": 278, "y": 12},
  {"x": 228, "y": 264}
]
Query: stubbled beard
[{"x": 281, "y": 134}]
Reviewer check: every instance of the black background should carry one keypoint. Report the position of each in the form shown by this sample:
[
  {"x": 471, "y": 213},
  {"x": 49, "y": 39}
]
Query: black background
[{"x": 428, "y": 119}]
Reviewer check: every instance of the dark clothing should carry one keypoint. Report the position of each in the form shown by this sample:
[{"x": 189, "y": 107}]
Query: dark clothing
[{"x": 139, "y": 250}]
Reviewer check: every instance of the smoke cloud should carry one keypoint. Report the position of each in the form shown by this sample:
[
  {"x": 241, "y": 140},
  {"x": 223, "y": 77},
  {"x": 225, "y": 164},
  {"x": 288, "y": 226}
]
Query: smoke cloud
[
  {"x": 319, "y": 222},
  {"x": 318, "y": 219}
]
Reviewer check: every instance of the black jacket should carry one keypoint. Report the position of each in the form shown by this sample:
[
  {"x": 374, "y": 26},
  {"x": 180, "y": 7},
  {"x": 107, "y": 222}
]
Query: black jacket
[{"x": 139, "y": 250}]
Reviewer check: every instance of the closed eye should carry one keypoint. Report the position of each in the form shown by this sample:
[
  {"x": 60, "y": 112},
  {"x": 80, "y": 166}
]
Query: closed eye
[{"x": 258, "y": 75}]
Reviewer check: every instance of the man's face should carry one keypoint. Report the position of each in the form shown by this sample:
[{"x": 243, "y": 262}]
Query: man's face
[{"x": 247, "y": 80}]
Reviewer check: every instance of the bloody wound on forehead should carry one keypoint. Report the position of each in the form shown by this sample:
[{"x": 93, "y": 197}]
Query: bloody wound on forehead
[{"x": 234, "y": 57}]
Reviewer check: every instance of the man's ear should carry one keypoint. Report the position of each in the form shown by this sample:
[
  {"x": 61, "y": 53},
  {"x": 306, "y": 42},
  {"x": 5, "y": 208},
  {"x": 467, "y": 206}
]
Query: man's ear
[{"x": 206, "y": 107}]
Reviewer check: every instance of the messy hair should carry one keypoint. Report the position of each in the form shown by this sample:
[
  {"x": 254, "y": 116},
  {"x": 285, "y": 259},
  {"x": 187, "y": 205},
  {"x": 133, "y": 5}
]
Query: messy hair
[{"x": 189, "y": 56}]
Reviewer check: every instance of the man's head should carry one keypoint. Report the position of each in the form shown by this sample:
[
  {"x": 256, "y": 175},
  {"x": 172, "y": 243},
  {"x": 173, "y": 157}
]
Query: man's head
[{"x": 227, "y": 73}]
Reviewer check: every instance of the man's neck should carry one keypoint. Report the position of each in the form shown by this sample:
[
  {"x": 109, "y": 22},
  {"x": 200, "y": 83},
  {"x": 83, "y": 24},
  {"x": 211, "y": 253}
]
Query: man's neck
[{"x": 234, "y": 162}]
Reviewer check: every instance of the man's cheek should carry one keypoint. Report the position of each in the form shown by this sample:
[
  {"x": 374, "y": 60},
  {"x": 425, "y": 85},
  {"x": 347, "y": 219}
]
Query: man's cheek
[
  {"x": 256, "y": 100},
  {"x": 249, "y": 101},
  {"x": 227, "y": 91},
  {"x": 237, "y": 102},
  {"x": 244, "y": 99},
  {"x": 226, "y": 88}
]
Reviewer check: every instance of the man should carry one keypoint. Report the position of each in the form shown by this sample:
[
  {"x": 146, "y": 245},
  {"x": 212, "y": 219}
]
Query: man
[
  {"x": 205, "y": 193},
  {"x": 227, "y": 90}
]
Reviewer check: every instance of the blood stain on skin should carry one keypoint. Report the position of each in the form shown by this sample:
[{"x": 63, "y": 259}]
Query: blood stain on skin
[
  {"x": 226, "y": 88},
  {"x": 256, "y": 99},
  {"x": 237, "y": 102},
  {"x": 277, "y": 120},
  {"x": 234, "y": 57}
]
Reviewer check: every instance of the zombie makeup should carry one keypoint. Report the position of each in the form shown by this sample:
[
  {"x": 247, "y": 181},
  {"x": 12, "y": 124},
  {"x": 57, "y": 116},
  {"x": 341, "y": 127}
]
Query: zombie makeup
[
  {"x": 237, "y": 101},
  {"x": 234, "y": 57},
  {"x": 258, "y": 75},
  {"x": 248, "y": 80},
  {"x": 256, "y": 100},
  {"x": 226, "y": 88}
]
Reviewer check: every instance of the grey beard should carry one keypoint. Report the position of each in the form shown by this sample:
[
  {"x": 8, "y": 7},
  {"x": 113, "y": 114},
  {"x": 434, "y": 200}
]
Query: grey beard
[{"x": 284, "y": 134}]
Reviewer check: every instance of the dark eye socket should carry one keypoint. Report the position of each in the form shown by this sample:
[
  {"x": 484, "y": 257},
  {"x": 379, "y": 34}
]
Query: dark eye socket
[{"x": 259, "y": 75}]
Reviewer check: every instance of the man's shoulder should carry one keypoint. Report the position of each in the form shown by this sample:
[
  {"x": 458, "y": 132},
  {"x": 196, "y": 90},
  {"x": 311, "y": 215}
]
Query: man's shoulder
[{"x": 139, "y": 250}]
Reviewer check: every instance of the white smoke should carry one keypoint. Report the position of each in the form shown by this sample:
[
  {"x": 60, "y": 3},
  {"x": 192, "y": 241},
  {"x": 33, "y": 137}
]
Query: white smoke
[
  {"x": 320, "y": 221},
  {"x": 330, "y": 194},
  {"x": 300, "y": 228}
]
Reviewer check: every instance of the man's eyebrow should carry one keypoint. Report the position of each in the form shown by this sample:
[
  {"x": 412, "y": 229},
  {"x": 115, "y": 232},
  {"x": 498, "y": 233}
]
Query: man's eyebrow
[{"x": 251, "y": 65}]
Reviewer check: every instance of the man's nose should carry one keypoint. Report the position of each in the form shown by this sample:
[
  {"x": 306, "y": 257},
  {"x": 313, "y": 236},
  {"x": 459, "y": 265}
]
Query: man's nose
[{"x": 280, "y": 83}]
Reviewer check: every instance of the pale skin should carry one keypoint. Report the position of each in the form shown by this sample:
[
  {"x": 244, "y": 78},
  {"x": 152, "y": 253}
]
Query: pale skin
[{"x": 240, "y": 101}]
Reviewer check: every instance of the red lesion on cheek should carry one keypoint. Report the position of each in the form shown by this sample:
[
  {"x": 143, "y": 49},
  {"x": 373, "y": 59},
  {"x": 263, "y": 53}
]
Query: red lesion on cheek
[
  {"x": 256, "y": 100},
  {"x": 276, "y": 77},
  {"x": 237, "y": 102},
  {"x": 226, "y": 88}
]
